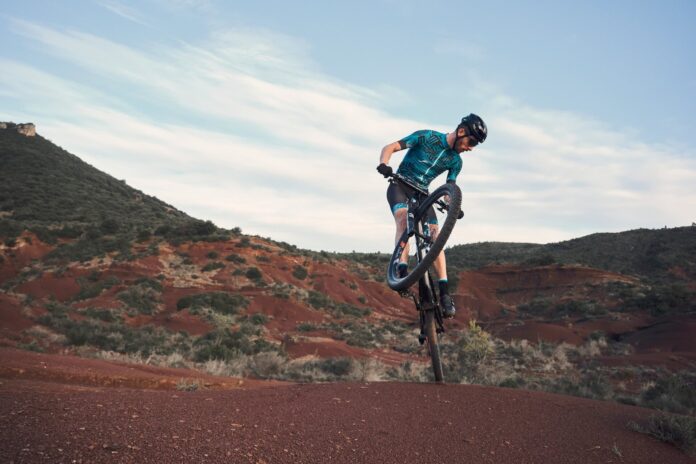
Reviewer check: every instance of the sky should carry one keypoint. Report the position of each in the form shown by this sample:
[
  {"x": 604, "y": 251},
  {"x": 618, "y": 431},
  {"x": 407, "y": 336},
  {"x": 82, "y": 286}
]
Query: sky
[{"x": 270, "y": 116}]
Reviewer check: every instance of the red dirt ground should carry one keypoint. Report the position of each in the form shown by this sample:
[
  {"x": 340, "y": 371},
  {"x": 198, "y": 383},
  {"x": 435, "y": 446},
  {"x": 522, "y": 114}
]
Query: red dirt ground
[
  {"x": 49, "y": 285},
  {"x": 15, "y": 258},
  {"x": 286, "y": 315},
  {"x": 62, "y": 409}
]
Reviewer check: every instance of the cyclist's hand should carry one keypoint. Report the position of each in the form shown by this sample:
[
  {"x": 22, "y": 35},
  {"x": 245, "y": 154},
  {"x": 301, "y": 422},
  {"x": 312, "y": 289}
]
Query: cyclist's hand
[
  {"x": 460, "y": 215},
  {"x": 385, "y": 170}
]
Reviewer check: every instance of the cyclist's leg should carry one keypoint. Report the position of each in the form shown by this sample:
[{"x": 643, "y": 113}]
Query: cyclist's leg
[
  {"x": 397, "y": 198},
  {"x": 440, "y": 263},
  {"x": 400, "y": 217}
]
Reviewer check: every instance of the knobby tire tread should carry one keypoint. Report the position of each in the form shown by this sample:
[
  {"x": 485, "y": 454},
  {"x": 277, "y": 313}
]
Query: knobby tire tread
[
  {"x": 445, "y": 230},
  {"x": 433, "y": 346}
]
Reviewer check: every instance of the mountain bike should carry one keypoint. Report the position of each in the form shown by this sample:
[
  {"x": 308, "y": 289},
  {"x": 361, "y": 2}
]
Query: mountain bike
[{"x": 443, "y": 204}]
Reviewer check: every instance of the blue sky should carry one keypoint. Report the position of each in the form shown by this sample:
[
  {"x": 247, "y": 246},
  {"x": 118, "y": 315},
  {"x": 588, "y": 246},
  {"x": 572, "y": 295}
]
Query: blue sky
[{"x": 271, "y": 115}]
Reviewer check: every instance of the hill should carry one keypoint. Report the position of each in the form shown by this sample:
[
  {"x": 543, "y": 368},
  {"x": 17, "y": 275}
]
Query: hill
[
  {"x": 41, "y": 183},
  {"x": 658, "y": 255},
  {"x": 588, "y": 317}
]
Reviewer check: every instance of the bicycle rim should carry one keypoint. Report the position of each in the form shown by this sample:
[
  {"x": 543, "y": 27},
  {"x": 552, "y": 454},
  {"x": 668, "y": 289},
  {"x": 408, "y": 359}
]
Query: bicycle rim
[
  {"x": 433, "y": 346},
  {"x": 417, "y": 266}
]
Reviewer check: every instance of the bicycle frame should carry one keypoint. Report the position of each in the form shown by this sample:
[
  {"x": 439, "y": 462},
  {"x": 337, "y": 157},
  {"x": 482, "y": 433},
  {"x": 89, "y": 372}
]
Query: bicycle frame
[{"x": 427, "y": 298}]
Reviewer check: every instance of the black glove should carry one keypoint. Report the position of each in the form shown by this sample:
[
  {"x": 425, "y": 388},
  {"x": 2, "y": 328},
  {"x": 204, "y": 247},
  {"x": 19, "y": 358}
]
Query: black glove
[{"x": 385, "y": 170}]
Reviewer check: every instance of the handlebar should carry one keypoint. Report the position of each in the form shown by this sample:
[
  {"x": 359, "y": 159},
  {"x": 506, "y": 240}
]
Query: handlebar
[{"x": 401, "y": 179}]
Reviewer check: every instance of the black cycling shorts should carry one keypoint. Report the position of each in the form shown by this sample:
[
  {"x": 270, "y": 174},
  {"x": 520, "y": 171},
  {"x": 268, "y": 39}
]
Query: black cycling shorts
[{"x": 398, "y": 195}]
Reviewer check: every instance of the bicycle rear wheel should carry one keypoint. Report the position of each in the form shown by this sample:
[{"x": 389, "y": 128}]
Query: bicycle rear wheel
[
  {"x": 433, "y": 345},
  {"x": 447, "y": 217}
]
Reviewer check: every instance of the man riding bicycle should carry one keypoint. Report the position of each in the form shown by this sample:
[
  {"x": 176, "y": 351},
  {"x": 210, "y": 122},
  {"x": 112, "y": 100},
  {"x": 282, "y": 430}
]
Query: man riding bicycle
[{"x": 430, "y": 154}]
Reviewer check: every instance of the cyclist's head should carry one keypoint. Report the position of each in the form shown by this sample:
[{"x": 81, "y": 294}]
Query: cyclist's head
[{"x": 470, "y": 132}]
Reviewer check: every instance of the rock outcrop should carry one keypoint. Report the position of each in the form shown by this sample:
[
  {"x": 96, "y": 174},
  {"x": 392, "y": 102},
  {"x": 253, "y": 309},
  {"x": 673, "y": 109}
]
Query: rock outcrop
[{"x": 28, "y": 129}]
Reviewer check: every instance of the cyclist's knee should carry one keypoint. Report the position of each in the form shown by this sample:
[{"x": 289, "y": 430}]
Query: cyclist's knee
[{"x": 400, "y": 217}]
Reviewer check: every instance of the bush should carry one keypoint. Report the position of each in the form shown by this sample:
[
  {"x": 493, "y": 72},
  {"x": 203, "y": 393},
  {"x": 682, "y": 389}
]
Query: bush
[
  {"x": 225, "y": 345},
  {"x": 672, "y": 393},
  {"x": 235, "y": 258},
  {"x": 144, "y": 235},
  {"x": 537, "y": 307},
  {"x": 677, "y": 430},
  {"x": 88, "y": 290},
  {"x": 141, "y": 298},
  {"x": 299, "y": 272},
  {"x": 105, "y": 315},
  {"x": 109, "y": 226},
  {"x": 213, "y": 266},
  {"x": 306, "y": 327},
  {"x": 253, "y": 273},
  {"x": 258, "y": 319},
  {"x": 111, "y": 337},
  {"x": 220, "y": 302},
  {"x": 339, "y": 367}
]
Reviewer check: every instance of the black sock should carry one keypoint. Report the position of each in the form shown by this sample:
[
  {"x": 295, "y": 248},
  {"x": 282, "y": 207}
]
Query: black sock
[
  {"x": 402, "y": 270},
  {"x": 444, "y": 288}
]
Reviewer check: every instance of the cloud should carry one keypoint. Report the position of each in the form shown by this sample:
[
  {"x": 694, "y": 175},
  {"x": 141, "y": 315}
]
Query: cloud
[
  {"x": 123, "y": 11},
  {"x": 245, "y": 129}
]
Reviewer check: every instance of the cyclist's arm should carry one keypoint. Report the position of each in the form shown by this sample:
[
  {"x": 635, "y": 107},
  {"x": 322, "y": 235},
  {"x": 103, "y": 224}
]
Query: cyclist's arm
[
  {"x": 388, "y": 151},
  {"x": 407, "y": 142}
]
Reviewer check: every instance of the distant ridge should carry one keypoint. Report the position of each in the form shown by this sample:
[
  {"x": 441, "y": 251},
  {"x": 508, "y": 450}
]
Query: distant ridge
[
  {"x": 40, "y": 183},
  {"x": 651, "y": 253}
]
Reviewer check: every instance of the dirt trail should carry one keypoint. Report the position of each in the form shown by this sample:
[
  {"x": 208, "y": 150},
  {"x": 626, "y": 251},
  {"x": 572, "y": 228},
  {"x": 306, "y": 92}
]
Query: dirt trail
[{"x": 49, "y": 421}]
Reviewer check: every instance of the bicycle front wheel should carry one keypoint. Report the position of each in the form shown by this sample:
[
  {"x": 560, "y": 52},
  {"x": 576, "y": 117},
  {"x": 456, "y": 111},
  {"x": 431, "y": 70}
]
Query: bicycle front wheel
[{"x": 446, "y": 214}]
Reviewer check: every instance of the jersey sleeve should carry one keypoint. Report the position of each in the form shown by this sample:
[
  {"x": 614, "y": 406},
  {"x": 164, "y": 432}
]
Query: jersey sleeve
[
  {"x": 455, "y": 169},
  {"x": 413, "y": 139}
]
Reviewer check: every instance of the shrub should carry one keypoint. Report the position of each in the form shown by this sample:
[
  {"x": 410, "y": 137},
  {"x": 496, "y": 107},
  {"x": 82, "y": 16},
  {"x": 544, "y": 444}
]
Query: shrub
[
  {"x": 593, "y": 384},
  {"x": 213, "y": 266},
  {"x": 88, "y": 291},
  {"x": 306, "y": 327},
  {"x": 299, "y": 272},
  {"x": 537, "y": 307},
  {"x": 672, "y": 393},
  {"x": 213, "y": 255},
  {"x": 109, "y": 226},
  {"x": 340, "y": 367},
  {"x": 235, "y": 258},
  {"x": 141, "y": 298},
  {"x": 144, "y": 235},
  {"x": 225, "y": 345},
  {"x": 105, "y": 315},
  {"x": 111, "y": 337},
  {"x": 258, "y": 319},
  {"x": 318, "y": 300},
  {"x": 253, "y": 273},
  {"x": 677, "y": 430},
  {"x": 220, "y": 302}
]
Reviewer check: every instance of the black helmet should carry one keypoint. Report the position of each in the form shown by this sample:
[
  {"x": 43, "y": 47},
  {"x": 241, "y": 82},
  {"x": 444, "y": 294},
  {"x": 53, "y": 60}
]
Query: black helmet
[{"x": 475, "y": 127}]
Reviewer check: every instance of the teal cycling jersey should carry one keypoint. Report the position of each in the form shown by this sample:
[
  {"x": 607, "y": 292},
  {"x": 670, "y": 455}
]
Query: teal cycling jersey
[{"x": 429, "y": 155}]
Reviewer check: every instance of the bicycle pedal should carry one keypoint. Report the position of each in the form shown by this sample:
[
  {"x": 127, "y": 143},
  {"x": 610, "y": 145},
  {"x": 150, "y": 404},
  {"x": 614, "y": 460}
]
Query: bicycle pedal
[{"x": 421, "y": 338}]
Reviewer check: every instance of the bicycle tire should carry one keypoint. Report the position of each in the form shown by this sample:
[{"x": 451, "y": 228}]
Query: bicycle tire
[
  {"x": 433, "y": 346},
  {"x": 402, "y": 283}
]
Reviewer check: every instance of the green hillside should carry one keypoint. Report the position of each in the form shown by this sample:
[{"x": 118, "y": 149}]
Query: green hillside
[
  {"x": 54, "y": 194},
  {"x": 642, "y": 252},
  {"x": 40, "y": 183}
]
